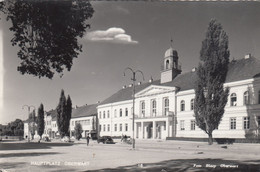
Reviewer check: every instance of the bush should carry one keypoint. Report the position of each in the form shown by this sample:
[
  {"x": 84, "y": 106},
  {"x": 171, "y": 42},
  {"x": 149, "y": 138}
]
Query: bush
[{"x": 78, "y": 131}]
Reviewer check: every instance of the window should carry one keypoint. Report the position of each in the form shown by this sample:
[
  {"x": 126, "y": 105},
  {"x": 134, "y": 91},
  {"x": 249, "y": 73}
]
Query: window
[
  {"x": 100, "y": 115},
  {"x": 104, "y": 114},
  {"x": 258, "y": 121},
  {"x": 192, "y": 125},
  {"x": 120, "y": 128},
  {"x": 126, "y": 127},
  {"x": 182, "y": 125},
  {"x": 104, "y": 127},
  {"x": 115, "y": 115},
  {"x": 192, "y": 104},
  {"x": 164, "y": 125},
  {"x": 121, "y": 113},
  {"x": 142, "y": 108},
  {"x": 126, "y": 112},
  {"x": 259, "y": 97},
  {"x": 108, "y": 127},
  {"x": 153, "y": 108},
  {"x": 246, "y": 123},
  {"x": 182, "y": 105},
  {"x": 115, "y": 127},
  {"x": 166, "y": 106},
  {"x": 232, "y": 123},
  {"x": 108, "y": 115},
  {"x": 246, "y": 98},
  {"x": 233, "y": 99},
  {"x": 100, "y": 128}
]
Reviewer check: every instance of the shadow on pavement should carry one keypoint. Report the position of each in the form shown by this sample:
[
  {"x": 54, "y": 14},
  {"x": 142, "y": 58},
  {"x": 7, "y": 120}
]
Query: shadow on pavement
[
  {"x": 22, "y": 146},
  {"x": 8, "y": 155},
  {"x": 196, "y": 165},
  {"x": 10, "y": 165}
]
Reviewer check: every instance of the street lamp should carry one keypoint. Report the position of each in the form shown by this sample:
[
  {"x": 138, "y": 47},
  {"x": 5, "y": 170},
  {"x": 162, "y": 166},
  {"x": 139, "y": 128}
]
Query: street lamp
[
  {"x": 28, "y": 107},
  {"x": 133, "y": 79}
]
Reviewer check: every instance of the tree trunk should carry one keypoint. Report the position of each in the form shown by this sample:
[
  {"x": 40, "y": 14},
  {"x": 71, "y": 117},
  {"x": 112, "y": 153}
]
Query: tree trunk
[{"x": 210, "y": 141}]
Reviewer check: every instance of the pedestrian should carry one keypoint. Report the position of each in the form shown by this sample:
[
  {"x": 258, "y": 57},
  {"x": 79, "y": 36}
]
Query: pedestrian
[{"x": 87, "y": 139}]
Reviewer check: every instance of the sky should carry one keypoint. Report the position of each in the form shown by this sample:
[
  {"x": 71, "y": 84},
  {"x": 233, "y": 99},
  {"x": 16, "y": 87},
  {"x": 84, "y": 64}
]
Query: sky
[{"x": 126, "y": 34}]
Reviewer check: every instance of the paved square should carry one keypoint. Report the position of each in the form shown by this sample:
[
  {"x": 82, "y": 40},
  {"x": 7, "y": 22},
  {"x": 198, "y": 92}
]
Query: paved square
[{"x": 149, "y": 155}]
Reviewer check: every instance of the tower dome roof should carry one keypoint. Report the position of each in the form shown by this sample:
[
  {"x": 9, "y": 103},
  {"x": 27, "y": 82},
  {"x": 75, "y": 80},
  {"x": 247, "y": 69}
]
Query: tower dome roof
[{"x": 170, "y": 52}]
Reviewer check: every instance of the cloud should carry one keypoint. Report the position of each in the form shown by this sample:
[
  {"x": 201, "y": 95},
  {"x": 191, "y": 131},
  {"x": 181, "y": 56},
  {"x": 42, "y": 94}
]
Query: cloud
[{"x": 113, "y": 34}]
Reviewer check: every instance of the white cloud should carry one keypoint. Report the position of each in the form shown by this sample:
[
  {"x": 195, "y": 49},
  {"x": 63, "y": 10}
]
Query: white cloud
[{"x": 113, "y": 34}]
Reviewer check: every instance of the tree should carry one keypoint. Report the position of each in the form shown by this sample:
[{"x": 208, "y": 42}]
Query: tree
[
  {"x": 64, "y": 110},
  {"x": 47, "y": 33},
  {"x": 210, "y": 95},
  {"x": 68, "y": 114},
  {"x": 40, "y": 121},
  {"x": 32, "y": 123},
  {"x": 78, "y": 130}
]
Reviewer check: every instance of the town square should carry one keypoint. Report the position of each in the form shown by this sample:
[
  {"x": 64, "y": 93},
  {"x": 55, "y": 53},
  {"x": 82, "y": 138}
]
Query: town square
[{"x": 129, "y": 86}]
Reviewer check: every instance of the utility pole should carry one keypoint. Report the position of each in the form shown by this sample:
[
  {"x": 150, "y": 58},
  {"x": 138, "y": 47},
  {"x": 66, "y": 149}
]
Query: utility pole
[{"x": 133, "y": 79}]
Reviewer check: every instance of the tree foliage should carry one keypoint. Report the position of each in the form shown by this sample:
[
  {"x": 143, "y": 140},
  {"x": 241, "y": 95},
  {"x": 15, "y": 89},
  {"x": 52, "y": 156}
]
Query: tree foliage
[
  {"x": 78, "y": 130},
  {"x": 47, "y": 33},
  {"x": 64, "y": 110},
  {"x": 210, "y": 95},
  {"x": 40, "y": 120},
  {"x": 32, "y": 123},
  {"x": 14, "y": 128}
]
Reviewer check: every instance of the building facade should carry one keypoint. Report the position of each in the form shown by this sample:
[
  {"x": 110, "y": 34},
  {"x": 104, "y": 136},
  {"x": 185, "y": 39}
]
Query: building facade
[
  {"x": 165, "y": 108},
  {"x": 85, "y": 115}
]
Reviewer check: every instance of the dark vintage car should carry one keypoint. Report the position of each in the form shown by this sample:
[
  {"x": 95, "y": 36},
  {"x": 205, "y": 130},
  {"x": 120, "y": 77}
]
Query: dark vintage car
[{"x": 105, "y": 140}]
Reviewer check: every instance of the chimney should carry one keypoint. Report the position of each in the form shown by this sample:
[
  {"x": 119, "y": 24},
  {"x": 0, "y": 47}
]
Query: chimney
[
  {"x": 139, "y": 83},
  {"x": 247, "y": 56},
  {"x": 151, "y": 80},
  {"x": 98, "y": 102},
  {"x": 124, "y": 87},
  {"x": 130, "y": 85},
  {"x": 194, "y": 69}
]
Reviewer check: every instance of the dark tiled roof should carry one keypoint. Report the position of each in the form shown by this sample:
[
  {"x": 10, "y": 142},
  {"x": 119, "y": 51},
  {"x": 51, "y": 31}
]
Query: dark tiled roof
[
  {"x": 87, "y": 110},
  {"x": 83, "y": 111},
  {"x": 53, "y": 114},
  {"x": 238, "y": 70}
]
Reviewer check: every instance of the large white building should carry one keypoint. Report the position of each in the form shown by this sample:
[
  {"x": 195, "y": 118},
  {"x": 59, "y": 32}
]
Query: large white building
[{"x": 157, "y": 101}]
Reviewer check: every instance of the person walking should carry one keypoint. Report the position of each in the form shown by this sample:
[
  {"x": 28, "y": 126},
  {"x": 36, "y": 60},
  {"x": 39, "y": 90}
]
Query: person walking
[{"x": 88, "y": 140}]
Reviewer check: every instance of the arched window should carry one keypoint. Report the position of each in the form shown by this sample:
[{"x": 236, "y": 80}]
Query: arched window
[
  {"x": 126, "y": 112},
  {"x": 142, "y": 108},
  {"x": 246, "y": 98},
  {"x": 153, "y": 107},
  {"x": 182, "y": 105},
  {"x": 192, "y": 104},
  {"x": 121, "y": 113},
  {"x": 104, "y": 114},
  {"x": 167, "y": 65},
  {"x": 108, "y": 115},
  {"x": 166, "y": 106},
  {"x": 233, "y": 99}
]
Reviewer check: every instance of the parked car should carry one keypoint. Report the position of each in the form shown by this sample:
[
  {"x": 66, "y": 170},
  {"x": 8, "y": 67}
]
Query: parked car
[{"x": 105, "y": 140}]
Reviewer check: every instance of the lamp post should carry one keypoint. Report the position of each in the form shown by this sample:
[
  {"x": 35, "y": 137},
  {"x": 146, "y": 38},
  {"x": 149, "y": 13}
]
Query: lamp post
[
  {"x": 133, "y": 79},
  {"x": 28, "y": 108}
]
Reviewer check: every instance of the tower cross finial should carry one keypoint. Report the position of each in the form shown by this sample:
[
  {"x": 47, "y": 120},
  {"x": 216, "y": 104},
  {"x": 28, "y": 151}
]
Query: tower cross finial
[{"x": 171, "y": 42}]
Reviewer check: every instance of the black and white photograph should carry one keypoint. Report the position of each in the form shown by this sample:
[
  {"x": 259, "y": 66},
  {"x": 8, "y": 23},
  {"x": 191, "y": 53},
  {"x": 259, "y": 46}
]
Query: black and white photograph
[{"x": 138, "y": 86}]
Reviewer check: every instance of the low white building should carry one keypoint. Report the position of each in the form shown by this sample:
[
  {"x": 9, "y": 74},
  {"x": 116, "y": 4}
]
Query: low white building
[
  {"x": 85, "y": 115},
  {"x": 156, "y": 102}
]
